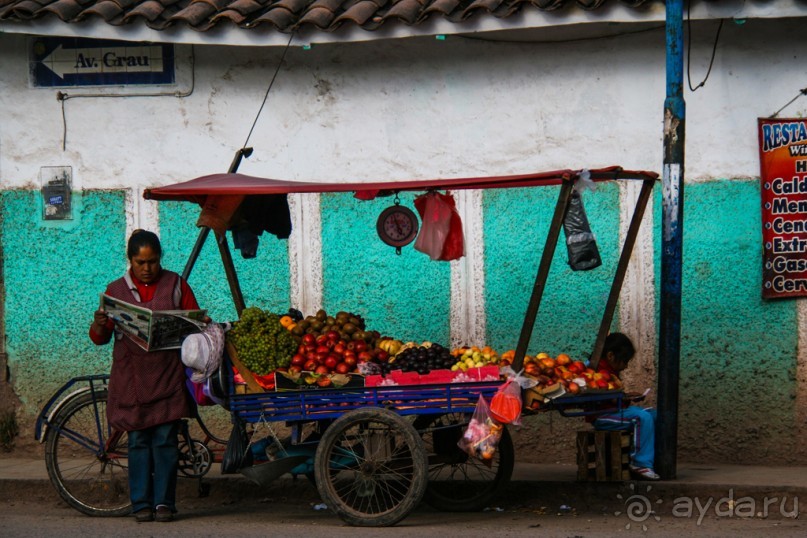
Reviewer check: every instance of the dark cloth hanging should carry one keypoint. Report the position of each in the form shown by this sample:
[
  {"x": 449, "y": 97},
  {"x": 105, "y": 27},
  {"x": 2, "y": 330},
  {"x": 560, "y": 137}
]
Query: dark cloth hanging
[{"x": 261, "y": 213}]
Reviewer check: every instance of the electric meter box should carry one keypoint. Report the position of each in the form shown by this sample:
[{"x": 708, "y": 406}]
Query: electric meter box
[{"x": 56, "y": 186}]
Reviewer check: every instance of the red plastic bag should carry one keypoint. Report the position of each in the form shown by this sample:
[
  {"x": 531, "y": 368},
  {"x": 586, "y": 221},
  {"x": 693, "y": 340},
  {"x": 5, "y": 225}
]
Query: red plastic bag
[
  {"x": 441, "y": 235},
  {"x": 505, "y": 406},
  {"x": 435, "y": 216},
  {"x": 454, "y": 246}
]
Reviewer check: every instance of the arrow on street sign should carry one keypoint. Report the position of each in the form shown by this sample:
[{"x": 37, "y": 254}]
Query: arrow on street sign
[{"x": 89, "y": 62}]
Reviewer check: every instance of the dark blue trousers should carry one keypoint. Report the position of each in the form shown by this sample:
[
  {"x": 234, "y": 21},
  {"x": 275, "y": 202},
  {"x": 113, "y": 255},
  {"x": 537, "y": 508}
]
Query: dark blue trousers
[{"x": 153, "y": 460}]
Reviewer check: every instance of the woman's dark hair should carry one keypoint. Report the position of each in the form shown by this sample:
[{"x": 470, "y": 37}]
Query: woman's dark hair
[
  {"x": 140, "y": 239},
  {"x": 620, "y": 345}
]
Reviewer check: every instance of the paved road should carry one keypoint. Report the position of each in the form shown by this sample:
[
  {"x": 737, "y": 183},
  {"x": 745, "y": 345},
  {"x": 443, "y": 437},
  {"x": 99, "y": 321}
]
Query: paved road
[{"x": 290, "y": 509}]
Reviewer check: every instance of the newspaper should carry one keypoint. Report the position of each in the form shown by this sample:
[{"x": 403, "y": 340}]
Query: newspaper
[{"x": 153, "y": 329}]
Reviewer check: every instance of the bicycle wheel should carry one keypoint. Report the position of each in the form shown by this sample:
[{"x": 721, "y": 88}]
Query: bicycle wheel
[
  {"x": 458, "y": 482},
  {"x": 86, "y": 462},
  {"x": 370, "y": 468}
]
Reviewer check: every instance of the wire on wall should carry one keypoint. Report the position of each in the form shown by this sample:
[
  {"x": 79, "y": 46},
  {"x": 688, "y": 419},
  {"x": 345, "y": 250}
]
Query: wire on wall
[
  {"x": 802, "y": 91},
  {"x": 62, "y": 96},
  {"x": 689, "y": 50},
  {"x": 271, "y": 83}
]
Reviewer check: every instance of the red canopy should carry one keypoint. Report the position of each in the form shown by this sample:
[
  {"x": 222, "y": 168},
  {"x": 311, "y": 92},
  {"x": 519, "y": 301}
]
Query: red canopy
[{"x": 197, "y": 190}]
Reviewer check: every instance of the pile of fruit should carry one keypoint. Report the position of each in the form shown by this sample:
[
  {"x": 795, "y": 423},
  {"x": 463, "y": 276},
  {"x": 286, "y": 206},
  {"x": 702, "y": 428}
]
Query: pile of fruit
[
  {"x": 421, "y": 358},
  {"x": 476, "y": 357},
  {"x": 321, "y": 348},
  {"x": 262, "y": 343},
  {"x": 562, "y": 375}
]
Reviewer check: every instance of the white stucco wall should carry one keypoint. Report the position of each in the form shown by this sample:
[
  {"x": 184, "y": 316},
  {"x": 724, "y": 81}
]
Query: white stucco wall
[{"x": 411, "y": 108}]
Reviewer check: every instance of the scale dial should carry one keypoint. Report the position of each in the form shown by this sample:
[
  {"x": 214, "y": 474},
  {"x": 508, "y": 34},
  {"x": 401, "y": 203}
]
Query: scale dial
[{"x": 397, "y": 226}]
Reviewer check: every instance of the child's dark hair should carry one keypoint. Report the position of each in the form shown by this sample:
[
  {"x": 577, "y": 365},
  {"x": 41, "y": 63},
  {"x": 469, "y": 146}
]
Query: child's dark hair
[
  {"x": 140, "y": 239},
  {"x": 620, "y": 345}
]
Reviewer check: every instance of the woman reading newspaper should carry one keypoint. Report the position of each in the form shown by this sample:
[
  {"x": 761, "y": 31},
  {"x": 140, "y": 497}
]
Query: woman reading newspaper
[{"x": 147, "y": 393}]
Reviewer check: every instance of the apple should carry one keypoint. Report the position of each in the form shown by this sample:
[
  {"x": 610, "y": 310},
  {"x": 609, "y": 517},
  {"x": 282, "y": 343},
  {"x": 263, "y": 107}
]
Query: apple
[
  {"x": 577, "y": 367},
  {"x": 298, "y": 360},
  {"x": 360, "y": 346},
  {"x": 309, "y": 339},
  {"x": 364, "y": 356},
  {"x": 602, "y": 384},
  {"x": 321, "y": 339},
  {"x": 563, "y": 359},
  {"x": 339, "y": 348},
  {"x": 323, "y": 349},
  {"x": 294, "y": 369},
  {"x": 332, "y": 335},
  {"x": 342, "y": 368},
  {"x": 310, "y": 366},
  {"x": 320, "y": 357},
  {"x": 381, "y": 355},
  {"x": 331, "y": 362},
  {"x": 350, "y": 361},
  {"x": 321, "y": 369}
]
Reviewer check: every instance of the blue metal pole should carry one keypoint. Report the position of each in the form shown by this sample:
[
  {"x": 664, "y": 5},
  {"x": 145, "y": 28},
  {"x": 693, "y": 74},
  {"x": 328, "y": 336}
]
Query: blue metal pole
[{"x": 671, "y": 244}]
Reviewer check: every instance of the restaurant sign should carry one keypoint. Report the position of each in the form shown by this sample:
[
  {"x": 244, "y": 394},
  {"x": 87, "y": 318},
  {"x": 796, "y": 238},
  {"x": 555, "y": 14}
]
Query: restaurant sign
[{"x": 783, "y": 176}]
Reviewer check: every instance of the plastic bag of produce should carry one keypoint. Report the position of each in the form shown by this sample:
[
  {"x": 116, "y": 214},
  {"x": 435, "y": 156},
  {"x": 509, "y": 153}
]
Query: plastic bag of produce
[
  {"x": 505, "y": 406},
  {"x": 483, "y": 434},
  {"x": 580, "y": 242}
]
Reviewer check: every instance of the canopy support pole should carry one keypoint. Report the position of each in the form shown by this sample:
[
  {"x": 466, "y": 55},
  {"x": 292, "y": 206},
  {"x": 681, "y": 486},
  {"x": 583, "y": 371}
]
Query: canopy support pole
[
  {"x": 204, "y": 230},
  {"x": 622, "y": 269},
  {"x": 543, "y": 271}
]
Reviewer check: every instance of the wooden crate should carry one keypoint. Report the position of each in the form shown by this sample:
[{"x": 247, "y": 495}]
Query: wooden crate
[{"x": 603, "y": 456}]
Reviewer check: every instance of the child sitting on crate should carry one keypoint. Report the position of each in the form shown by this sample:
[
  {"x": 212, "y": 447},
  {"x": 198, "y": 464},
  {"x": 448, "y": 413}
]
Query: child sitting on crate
[{"x": 616, "y": 354}]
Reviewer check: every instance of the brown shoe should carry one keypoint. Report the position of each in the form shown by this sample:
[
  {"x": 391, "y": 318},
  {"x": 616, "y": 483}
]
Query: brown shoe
[
  {"x": 144, "y": 515},
  {"x": 164, "y": 514}
]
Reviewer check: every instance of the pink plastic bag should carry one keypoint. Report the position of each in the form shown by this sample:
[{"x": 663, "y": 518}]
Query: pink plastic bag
[{"x": 435, "y": 215}]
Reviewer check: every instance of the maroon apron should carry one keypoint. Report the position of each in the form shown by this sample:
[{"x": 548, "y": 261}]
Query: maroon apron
[{"x": 146, "y": 388}]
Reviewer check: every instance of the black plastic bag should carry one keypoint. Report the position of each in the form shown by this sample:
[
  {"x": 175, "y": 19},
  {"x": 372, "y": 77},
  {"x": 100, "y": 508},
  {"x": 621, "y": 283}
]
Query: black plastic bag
[
  {"x": 237, "y": 455},
  {"x": 580, "y": 242}
]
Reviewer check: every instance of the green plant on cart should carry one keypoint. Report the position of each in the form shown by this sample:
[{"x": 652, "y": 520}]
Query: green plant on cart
[{"x": 9, "y": 429}]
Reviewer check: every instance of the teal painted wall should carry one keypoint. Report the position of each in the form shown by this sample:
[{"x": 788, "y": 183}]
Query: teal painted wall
[
  {"x": 406, "y": 296},
  {"x": 264, "y": 280},
  {"x": 738, "y": 351},
  {"x": 515, "y": 229},
  {"x": 54, "y": 273}
]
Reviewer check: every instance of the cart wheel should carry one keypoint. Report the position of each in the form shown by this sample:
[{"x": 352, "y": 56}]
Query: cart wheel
[
  {"x": 197, "y": 462},
  {"x": 370, "y": 468},
  {"x": 457, "y": 481}
]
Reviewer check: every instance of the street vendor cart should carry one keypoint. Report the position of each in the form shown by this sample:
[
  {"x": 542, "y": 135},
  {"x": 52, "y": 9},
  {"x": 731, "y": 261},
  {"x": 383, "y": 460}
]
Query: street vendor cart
[{"x": 374, "y": 452}]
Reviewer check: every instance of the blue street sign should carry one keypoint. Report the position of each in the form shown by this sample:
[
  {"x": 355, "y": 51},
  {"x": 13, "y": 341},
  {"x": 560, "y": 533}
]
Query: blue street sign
[{"x": 71, "y": 62}]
